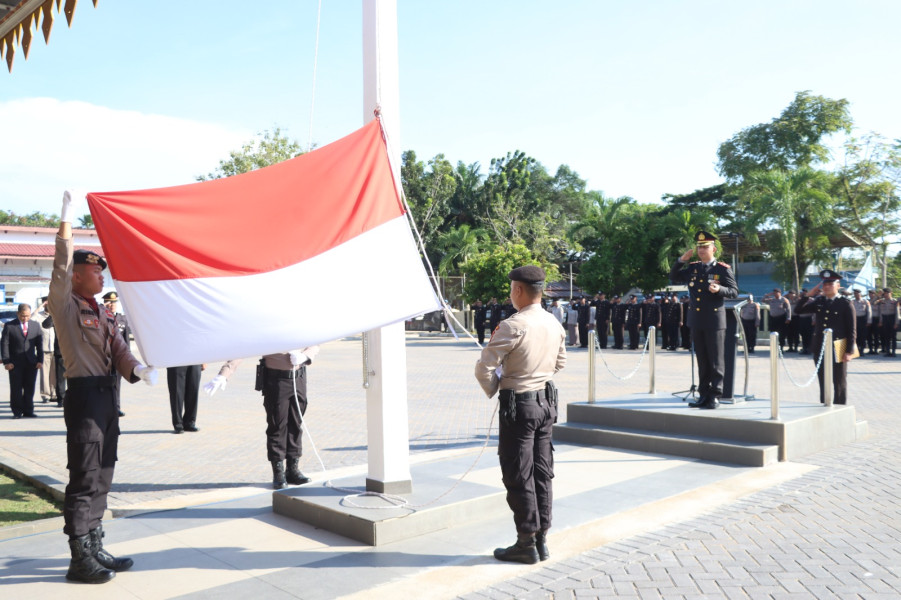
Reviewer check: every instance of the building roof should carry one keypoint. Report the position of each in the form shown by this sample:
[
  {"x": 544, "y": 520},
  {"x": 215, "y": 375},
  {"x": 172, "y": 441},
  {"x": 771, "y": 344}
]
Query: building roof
[
  {"x": 13, "y": 250},
  {"x": 20, "y": 20}
]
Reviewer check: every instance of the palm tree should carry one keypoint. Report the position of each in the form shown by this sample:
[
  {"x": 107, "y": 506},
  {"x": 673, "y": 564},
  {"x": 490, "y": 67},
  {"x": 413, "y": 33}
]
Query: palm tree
[
  {"x": 458, "y": 245},
  {"x": 795, "y": 202}
]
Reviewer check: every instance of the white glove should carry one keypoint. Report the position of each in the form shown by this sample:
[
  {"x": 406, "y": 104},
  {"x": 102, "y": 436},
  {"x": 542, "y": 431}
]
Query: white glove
[
  {"x": 70, "y": 201},
  {"x": 311, "y": 352},
  {"x": 500, "y": 371},
  {"x": 216, "y": 383},
  {"x": 297, "y": 357},
  {"x": 147, "y": 374}
]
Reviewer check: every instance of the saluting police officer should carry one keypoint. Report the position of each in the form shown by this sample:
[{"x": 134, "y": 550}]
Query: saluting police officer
[
  {"x": 93, "y": 352},
  {"x": 709, "y": 284},
  {"x": 836, "y": 313},
  {"x": 520, "y": 359},
  {"x": 279, "y": 377}
]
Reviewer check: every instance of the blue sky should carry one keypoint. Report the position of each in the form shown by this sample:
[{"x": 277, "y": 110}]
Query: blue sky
[{"x": 634, "y": 96}]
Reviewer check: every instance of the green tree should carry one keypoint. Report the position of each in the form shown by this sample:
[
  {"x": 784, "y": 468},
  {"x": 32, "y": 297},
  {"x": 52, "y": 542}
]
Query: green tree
[
  {"x": 792, "y": 140},
  {"x": 428, "y": 192},
  {"x": 86, "y": 221},
  {"x": 866, "y": 188},
  {"x": 457, "y": 246},
  {"x": 269, "y": 148},
  {"x": 796, "y": 203},
  {"x": 486, "y": 272},
  {"x": 35, "y": 219}
]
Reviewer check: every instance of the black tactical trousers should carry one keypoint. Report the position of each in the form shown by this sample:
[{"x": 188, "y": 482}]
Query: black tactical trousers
[
  {"x": 283, "y": 424},
  {"x": 92, "y": 439},
  {"x": 750, "y": 327},
  {"x": 527, "y": 463},
  {"x": 839, "y": 377},
  {"x": 889, "y": 339},
  {"x": 709, "y": 344}
]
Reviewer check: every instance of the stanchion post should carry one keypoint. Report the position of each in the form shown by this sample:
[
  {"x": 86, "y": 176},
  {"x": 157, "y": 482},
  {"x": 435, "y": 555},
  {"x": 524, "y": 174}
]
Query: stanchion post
[
  {"x": 828, "y": 366},
  {"x": 591, "y": 344},
  {"x": 652, "y": 355},
  {"x": 774, "y": 375}
]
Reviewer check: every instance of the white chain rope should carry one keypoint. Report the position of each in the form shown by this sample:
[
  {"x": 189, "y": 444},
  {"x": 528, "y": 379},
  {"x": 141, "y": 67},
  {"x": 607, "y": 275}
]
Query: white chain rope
[
  {"x": 597, "y": 346},
  {"x": 815, "y": 371}
]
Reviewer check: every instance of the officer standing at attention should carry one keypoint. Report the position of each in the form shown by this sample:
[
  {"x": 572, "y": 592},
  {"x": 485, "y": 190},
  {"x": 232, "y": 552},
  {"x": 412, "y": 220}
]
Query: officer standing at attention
[
  {"x": 709, "y": 283},
  {"x": 94, "y": 352},
  {"x": 111, "y": 301},
  {"x": 836, "y": 313},
  {"x": 520, "y": 359},
  {"x": 278, "y": 377}
]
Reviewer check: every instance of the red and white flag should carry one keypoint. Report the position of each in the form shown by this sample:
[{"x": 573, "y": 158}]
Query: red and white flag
[{"x": 322, "y": 237}]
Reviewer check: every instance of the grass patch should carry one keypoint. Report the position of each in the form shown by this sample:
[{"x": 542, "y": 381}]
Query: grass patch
[{"x": 20, "y": 502}]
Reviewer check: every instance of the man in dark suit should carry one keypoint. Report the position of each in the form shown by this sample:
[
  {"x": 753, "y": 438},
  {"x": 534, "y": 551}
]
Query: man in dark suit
[
  {"x": 835, "y": 313},
  {"x": 23, "y": 355},
  {"x": 709, "y": 284}
]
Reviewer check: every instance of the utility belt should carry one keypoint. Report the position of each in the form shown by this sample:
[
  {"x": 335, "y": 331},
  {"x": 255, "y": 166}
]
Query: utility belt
[
  {"x": 508, "y": 400},
  {"x": 93, "y": 382},
  {"x": 265, "y": 374}
]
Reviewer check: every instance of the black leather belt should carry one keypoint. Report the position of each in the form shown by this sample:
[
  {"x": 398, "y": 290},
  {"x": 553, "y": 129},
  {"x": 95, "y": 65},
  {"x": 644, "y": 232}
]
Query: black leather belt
[
  {"x": 532, "y": 396},
  {"x": 92, "y": 382},
  {"x": 281, "y": 374}
]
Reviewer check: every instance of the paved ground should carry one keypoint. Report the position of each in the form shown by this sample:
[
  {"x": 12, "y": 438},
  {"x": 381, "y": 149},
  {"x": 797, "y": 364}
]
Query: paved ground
[{"x": 831, "y": 532}]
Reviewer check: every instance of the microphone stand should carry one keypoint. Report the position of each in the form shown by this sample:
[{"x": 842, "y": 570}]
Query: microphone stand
[{"x": 692, "y": 391}]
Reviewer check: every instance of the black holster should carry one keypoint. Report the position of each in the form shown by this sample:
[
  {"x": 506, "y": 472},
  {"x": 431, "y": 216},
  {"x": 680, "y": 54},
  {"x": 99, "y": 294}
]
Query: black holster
[
  {"x": 550, "y": 390},
  {"x": 507, "y": 406},
  {"x": 260, "y": 381}
]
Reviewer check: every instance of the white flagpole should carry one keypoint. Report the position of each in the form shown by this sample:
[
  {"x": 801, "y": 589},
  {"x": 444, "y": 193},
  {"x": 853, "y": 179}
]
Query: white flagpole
[{"x": 386, "y": 397}]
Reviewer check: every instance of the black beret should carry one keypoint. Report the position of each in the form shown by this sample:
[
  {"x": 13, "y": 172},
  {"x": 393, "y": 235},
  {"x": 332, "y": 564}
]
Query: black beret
[
  {"x": 111, "y": 296},
  {"x": 886, "y": 289},
  {"x": 527, "y": 274},
  {"x": 88, "y": 257}
]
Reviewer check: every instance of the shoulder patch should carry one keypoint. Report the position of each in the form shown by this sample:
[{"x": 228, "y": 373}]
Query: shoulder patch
[{"x": 722, "y": 264}]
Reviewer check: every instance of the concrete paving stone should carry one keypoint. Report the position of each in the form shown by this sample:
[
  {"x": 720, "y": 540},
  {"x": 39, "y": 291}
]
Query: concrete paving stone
[
  {"x": 514, "y": 586},
  {"x": 537, "y": 594}
]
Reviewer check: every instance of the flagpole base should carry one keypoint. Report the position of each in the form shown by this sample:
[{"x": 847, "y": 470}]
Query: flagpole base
[{"x": 404, "y": 486}]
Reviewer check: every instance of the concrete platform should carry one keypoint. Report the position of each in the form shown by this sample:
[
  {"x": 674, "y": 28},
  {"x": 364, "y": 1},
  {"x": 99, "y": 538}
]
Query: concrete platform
[
  {"x": 586, "y": 478},
  {"x": 741, "y": 433}
]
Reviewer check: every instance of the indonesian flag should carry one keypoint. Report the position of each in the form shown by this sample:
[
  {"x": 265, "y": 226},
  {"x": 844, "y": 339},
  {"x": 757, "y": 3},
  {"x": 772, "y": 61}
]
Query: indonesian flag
[{"x": 322, "y": 237}]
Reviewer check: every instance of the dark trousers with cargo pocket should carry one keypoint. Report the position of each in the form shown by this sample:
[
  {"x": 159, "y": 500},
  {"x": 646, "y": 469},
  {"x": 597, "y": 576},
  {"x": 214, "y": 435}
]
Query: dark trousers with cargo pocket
[
  {"x": 92, "y": 438},
  {"x": 527, "y": 463}
]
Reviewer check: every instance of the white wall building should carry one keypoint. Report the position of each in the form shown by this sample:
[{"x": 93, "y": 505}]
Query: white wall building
[{"x": 26, "y": 258}]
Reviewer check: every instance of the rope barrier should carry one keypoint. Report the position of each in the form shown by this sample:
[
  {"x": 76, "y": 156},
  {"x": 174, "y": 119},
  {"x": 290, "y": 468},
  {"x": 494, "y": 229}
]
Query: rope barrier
[{"x": 644, "y": 351}]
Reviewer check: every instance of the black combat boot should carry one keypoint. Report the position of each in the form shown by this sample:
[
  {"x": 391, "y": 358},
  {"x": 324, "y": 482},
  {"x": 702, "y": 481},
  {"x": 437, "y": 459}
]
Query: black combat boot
[
  {"x": 523, "y": 550},
  {"x": 105, "y": 558},
  {"x": 541, "y": 545},
  {"x": 294, "y": 476},
  {"x": 84, "y": 567},
  {"x": 278, "y": 475}
]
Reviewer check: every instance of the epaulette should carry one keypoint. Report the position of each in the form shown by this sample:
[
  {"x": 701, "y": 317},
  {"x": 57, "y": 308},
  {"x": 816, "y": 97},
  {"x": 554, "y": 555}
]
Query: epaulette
[{"x": 722, "y": 264}]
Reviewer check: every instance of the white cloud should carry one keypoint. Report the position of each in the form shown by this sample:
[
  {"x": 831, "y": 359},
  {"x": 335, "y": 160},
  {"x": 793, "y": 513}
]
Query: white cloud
[{"x": 51, "y": 145}]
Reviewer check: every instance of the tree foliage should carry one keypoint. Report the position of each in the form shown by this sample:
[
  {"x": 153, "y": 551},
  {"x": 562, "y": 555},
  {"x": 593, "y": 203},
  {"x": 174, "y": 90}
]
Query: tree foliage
[
  {"x": 486, "y": 272},
  {"x": 35, "y": 219},
  {"x": 793, "y": 140},
  {"x": 269, "y": 148}
]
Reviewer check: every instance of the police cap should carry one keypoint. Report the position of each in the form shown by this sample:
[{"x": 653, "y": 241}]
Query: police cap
[
  {"x": 88, "y": 257},
  {"x": 886, "y": 289},
  {"x": 528, "y": 274},
  {"x": 703, "y": 238},
  {"x": 829, "y": 275},
  {"x": 111, "y": 296}
]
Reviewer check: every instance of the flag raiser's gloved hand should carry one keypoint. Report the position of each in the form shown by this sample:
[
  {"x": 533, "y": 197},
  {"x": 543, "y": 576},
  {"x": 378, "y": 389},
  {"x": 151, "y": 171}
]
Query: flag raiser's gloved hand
[
  {"x": 147, "y": 374},
  {"x": 311, "y": 352},
  {"x": 216, "y": 383},
  {"x": 70, "y": 200}
]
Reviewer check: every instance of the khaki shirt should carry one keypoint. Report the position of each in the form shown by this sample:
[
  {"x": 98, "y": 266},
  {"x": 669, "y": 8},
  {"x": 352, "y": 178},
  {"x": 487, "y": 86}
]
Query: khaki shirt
[
  {"x": 90, "y": 343},
  {"x": 862, "y": 308},
  {"x": 531, "y": 347},
  {"x": 279, "y": 362},
  {"x": 888, "y": 308},
  {"x": 751, "y": 312},
  {"x": 779, "y": 307}
]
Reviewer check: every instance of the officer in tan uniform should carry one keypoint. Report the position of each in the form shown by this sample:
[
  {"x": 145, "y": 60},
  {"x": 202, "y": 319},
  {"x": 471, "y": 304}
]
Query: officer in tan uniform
[
  {"x": 93, "y": 352},
  {"x": 280, "y": 375},
  {"x": 519, "y": 362}
]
